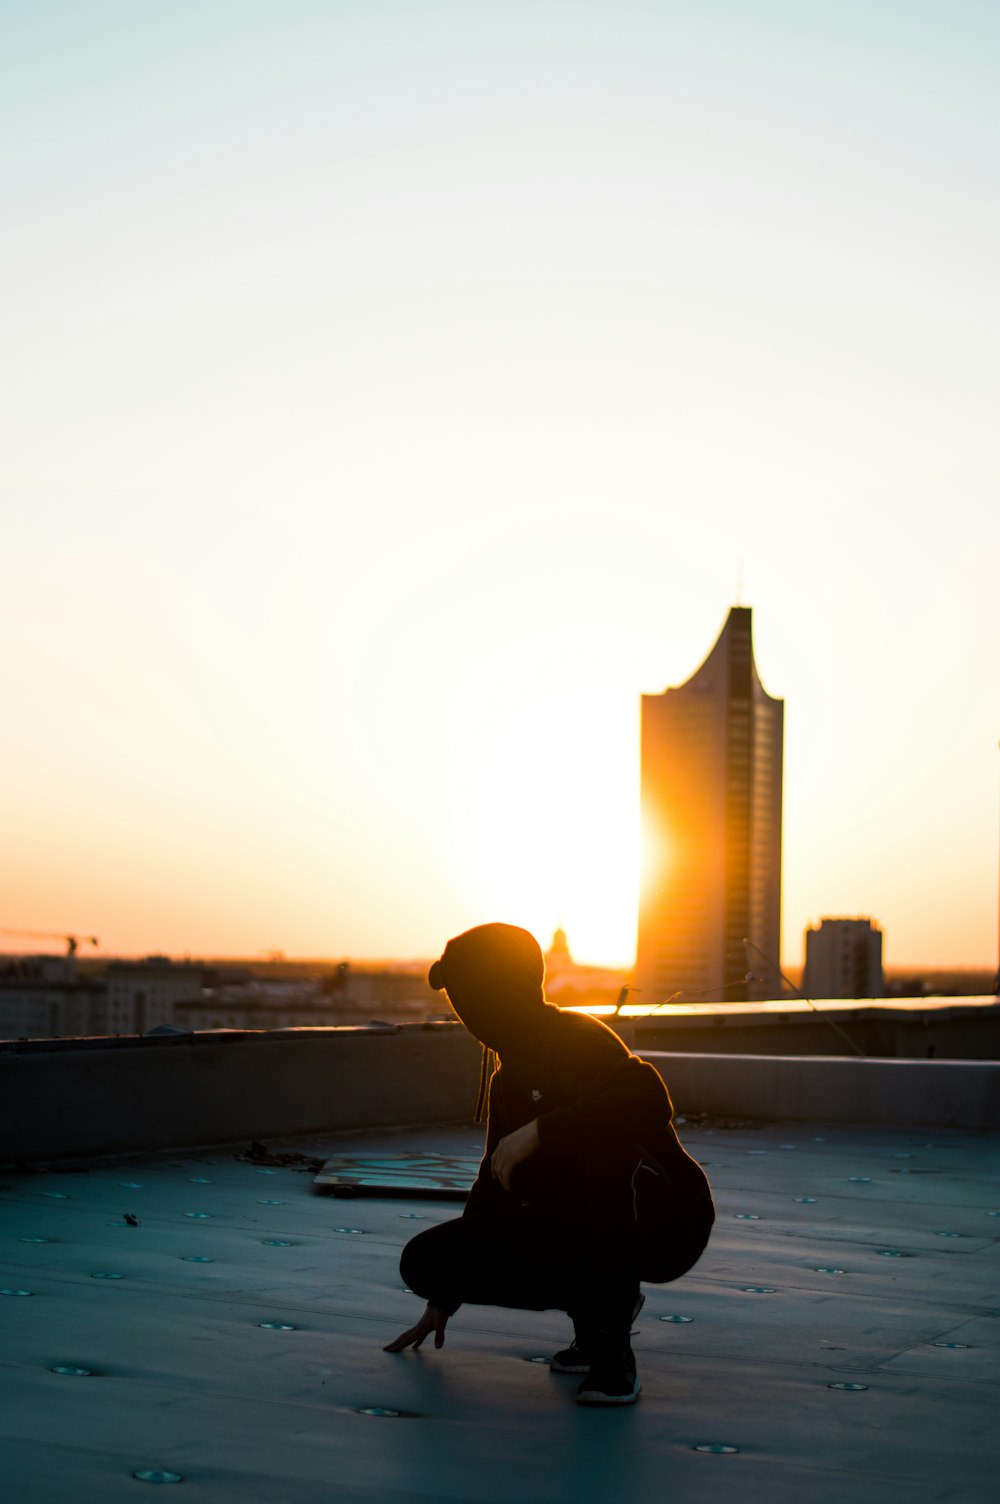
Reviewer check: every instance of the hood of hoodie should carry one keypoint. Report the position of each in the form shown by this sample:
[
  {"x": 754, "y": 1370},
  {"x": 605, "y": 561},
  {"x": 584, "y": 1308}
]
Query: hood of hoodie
[{"x": 494, "y": 977}]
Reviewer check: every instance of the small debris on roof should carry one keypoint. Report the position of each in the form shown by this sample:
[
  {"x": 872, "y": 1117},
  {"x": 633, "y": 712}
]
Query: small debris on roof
[{"x": 260, "y": 1154}]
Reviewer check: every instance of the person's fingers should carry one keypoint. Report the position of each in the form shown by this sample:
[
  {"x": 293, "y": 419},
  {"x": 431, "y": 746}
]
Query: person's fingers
[
  {"x": 413, "y": 1337},
  {"x": 406, "y": 1338}
]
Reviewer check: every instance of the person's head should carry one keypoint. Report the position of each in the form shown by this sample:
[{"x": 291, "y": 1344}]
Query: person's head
[{"x": 493, "y": 976}]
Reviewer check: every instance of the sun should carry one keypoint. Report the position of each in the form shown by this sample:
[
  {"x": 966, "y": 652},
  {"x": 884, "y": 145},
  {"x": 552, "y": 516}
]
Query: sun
[{"x": 548, "y": 829}]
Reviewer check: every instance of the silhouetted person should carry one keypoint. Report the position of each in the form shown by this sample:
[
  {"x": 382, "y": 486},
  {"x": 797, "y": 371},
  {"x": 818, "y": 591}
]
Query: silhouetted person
[{"x": 584, "y": 1188}]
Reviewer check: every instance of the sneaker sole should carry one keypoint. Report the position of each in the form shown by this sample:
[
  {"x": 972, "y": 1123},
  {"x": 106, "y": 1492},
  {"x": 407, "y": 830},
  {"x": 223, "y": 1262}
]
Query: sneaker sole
[
  {"x": 556, "y": 1367},
  {"x": 595, "y": 1397}
]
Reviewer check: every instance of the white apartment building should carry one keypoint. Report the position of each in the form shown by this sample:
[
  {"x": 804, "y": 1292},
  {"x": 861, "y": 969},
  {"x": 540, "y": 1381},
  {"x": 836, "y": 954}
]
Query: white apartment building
[{"x": 843, "y": 959}]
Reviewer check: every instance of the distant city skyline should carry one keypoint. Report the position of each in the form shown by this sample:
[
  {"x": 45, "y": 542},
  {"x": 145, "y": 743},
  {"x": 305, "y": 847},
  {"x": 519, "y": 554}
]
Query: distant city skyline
[{"x": 395, "y": 394}]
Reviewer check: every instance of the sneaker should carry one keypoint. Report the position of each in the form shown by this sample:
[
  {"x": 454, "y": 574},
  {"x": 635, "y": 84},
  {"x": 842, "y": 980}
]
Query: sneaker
[
  {"x": 611, "y": 1380},
  {"x": 572, "y": 1359},
  {"x": 579, "y": 1356}
]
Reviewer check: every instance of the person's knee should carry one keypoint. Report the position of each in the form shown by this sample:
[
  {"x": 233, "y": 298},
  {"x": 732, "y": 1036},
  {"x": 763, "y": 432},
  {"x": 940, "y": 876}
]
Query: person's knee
[
  {"x": 414, "y": 1266},
  {"x": 428, "y": 1259}
]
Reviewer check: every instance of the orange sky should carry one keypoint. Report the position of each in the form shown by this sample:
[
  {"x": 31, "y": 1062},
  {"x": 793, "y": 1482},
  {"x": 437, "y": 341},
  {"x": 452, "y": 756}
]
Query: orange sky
[{"x": 392, "y": 404}]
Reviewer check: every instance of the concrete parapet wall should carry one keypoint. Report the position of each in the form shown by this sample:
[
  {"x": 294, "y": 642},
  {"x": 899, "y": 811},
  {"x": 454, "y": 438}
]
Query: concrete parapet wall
[
  {"x": 902, "y": 1093},
  {"x": 91, "y": 1097},
  {"x": 931, "y": 1029}
]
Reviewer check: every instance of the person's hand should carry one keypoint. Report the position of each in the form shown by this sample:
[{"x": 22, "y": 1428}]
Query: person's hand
[
  {"x": 510, "y": 1151},
  {"x": 433, "y": 1320}
]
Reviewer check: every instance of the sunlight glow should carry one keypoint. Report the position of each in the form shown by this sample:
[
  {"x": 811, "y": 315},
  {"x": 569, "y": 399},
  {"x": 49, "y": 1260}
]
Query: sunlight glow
[{"x": 549, "y": 829}]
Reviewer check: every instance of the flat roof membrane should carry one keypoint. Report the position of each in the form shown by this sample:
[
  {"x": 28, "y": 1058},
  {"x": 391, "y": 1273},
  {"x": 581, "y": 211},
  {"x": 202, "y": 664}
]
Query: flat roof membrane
[{"x": 209, "y": 1323}]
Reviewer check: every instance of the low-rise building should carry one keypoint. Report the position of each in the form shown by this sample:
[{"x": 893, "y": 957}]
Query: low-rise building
[
  {"x": 43, "y": 996},
  {"x": 843, "y": 959},
  {"x": 143, "y": 995}
]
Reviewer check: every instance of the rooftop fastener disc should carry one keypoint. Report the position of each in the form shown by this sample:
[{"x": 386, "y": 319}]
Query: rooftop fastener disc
[
  {"x": 947, "y": 1234},
  {"x": 269, "y": 1202},
  {"x": 276, "y": 1326},
  {"x": 199, "y": 1216},
  {"x": 805, "y": 1200},
  {"x": 747, "y": 1217},
  {"x": 717, "y": 1448},
  {"x": 104, "y": 1274},
  {"x": 950, "y": 1344},
  {"x": 759, "y": 1290},
  {"x": 32, "y": 1240},
  {"x": 849, "y": 1387},
  {"x": 893, "y": 1253},
  {"x": 155, "y": 1475},
  {"x": 277, "y": 1242},
  {"x": 76, "y": 1373},
  {"x": 198, "y": 1180},
  {"x": 131, "y": 1185},
  {"x": 196, "y": 1258},
  {"x": 17, "y": 1292},
  {"x": 860, "y": 1179},
  {"x": 546, "y": 1359},
  {"x": 378, "y": 1410},
  {"x": 56, "y": 1195},
  {"x": 827, "y": 1269},
  {"x": 677, "y": 1319},
  {"x": 349, "y": 1229}
]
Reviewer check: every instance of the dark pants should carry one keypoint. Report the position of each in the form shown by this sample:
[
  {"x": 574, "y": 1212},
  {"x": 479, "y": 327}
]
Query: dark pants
[{"x": 528, "y": 1264}]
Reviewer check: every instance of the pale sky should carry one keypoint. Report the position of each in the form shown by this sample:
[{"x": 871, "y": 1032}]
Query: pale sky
[{"x": 394, "y": 392}]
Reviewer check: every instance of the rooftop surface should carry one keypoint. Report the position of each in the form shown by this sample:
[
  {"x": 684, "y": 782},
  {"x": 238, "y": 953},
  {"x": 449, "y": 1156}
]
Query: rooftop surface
[{"x": 838, "y": 1341}]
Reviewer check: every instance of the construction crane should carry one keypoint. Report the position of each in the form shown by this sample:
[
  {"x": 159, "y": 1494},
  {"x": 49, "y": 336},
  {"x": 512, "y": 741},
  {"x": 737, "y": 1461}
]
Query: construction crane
[{"x": 71, "y": 942}]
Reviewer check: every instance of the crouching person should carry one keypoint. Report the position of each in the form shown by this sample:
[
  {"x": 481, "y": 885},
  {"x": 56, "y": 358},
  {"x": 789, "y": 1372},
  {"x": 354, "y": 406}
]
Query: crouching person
[{"x": 584, "y": 1188}]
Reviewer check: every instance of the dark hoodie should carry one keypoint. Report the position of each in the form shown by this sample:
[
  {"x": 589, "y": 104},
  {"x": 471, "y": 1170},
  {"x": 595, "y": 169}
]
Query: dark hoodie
[{"x": 608, "y": 1150}]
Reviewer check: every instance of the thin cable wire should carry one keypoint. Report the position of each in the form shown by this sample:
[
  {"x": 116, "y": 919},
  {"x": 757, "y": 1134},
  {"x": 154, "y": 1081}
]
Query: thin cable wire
[
  {"x": 739, "y": 981},
  {"x": 749, "y": 945}
]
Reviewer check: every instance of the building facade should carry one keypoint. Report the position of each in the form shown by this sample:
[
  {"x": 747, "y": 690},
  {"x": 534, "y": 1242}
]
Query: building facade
[
  {"x": 42, "y": 996},
  {"x": 843, "y": 959},
  {"x": 142, "y": 995},
  {"x": 711, "y": 781}
]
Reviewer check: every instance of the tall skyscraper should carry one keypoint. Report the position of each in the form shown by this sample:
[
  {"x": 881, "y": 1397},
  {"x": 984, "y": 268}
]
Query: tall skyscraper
[{"x": 711, "y": 842}]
